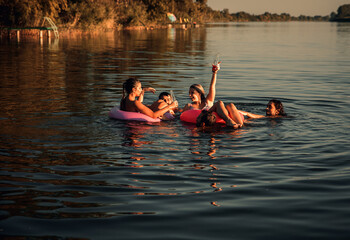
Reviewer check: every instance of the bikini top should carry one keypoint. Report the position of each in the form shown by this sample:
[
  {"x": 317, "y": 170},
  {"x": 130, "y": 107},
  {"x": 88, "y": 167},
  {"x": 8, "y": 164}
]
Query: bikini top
[{"x": 206, "y": 107}]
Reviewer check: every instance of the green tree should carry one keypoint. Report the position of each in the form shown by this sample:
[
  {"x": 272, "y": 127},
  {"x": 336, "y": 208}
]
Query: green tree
[
  {"x": 185, "y": 9},
  {"x": 344, "y": 11},
  {"x": 157, "y": 9},
  {"x": 29, "y": 12},
  {"x": 203, "y": 2}
]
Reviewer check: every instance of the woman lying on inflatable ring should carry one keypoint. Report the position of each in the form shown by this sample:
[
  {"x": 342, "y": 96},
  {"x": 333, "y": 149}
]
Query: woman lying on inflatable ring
[
  {"x": 133, "y": 97},
  {"x": 234, "y": 117}
]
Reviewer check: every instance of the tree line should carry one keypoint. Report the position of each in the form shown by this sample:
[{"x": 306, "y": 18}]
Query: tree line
[
  {"x": 343, "y": 14},
  {"x": 119, "y": 13},
  {"x": 108, "y": 13}
]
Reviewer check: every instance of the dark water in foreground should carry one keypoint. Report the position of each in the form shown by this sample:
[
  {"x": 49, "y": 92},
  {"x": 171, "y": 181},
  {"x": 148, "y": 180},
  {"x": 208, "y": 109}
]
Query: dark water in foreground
[{"x": 67, "y": 171}]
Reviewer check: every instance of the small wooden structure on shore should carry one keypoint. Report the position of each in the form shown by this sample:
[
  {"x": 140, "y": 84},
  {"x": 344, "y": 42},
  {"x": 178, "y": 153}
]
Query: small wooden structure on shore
[
  {"x": 183, "y": 25},
  {"x": 17, "y": 30}
]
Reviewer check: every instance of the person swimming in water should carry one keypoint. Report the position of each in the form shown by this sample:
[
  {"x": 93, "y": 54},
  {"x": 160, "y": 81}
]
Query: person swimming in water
[
  {"x": 234, "y": 117},
  {"x": 206, "y": 119},
  {"x": 274, "y": 108},
  {"x": 163, "y": 101},
  {"x": 133, "y": 97},
  {"x": 197, "y": 93}
]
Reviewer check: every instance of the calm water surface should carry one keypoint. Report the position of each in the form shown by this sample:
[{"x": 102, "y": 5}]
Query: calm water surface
[{"x": 68, "y": 171}]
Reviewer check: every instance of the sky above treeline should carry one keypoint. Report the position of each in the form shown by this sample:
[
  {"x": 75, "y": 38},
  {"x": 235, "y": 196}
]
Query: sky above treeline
[{"x": 293, "y": 7}]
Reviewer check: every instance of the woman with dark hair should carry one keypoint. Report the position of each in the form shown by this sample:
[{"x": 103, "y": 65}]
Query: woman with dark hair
[
  {"x": 197, "y": 94},
  {"x": 274, "y": 108},
  {"x": 164, "y": 100},
  {"x": 235, "y": 118},
  {"x": 133, "y": 97},
  {"x": 206, "y": 119}
]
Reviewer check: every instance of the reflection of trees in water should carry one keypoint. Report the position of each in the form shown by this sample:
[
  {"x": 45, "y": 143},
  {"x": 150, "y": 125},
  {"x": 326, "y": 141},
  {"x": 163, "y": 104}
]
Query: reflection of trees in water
[
  {"x": 151, "y": 55},
  {"x": 78, "y": 73}
]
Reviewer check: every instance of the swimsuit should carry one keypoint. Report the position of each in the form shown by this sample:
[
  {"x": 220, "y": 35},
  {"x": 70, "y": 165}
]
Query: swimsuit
[{"x": 206, "y": 107}]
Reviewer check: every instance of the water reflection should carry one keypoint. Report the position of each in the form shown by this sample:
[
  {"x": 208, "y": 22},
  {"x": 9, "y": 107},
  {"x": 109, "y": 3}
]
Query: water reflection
[
  {"x": 211, "y": 143},
  {"x": 136, "y": 138},
  {"x": 134, "y": 131}
]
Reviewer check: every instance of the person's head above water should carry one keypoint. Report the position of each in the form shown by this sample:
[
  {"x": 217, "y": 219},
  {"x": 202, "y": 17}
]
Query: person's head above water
[
  {"x": 166, "y": 97},
  {"x": 275, "y": 108},
  {"x": 206, "y": 119},
  {"x": 197, "y": 93},
  {"x": 130, "y": 85}
]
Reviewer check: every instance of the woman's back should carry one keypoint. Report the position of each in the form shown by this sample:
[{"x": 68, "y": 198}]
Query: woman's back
[{"x": 128, "y": 105}]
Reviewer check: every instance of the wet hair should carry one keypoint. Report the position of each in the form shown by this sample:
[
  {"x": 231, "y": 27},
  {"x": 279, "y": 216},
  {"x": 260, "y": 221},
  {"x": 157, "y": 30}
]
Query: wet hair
[
  {"x": 206, "y": 119},
  {"x": 279, "y": 107},
  {"x": 163, "y": 94},
  {"x": 200, "y": 90},
  {"x": 128, "y": 85}
]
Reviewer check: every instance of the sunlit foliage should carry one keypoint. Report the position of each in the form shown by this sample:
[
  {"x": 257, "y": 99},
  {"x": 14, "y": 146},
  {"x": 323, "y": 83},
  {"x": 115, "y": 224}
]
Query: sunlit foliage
[{"x": 113, "y": 13}]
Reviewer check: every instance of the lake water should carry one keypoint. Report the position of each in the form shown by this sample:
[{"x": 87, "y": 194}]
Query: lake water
[{"x": 68, "y": 171}]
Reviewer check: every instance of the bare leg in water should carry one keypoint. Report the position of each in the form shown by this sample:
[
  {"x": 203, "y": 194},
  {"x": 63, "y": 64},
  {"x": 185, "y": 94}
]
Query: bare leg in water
[
  {"x": 235, "y": 114},
  {"x": 229, "y": 113}
]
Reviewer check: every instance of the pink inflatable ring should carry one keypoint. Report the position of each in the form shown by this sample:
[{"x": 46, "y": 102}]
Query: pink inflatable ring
[{"x": 116, "y": 113}]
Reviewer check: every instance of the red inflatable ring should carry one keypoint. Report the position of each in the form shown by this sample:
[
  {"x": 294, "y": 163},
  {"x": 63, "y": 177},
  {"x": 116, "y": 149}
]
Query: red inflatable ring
[{"x": 190, "y": 116}]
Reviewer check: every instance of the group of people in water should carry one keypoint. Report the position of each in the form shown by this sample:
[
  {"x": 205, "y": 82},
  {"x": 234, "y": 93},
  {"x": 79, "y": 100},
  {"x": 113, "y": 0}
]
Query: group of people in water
[{"x": 133, "y": 95}]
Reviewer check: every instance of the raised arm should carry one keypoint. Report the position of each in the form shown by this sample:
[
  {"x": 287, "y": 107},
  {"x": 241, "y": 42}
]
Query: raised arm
[{"x": 212, "y": 88}]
